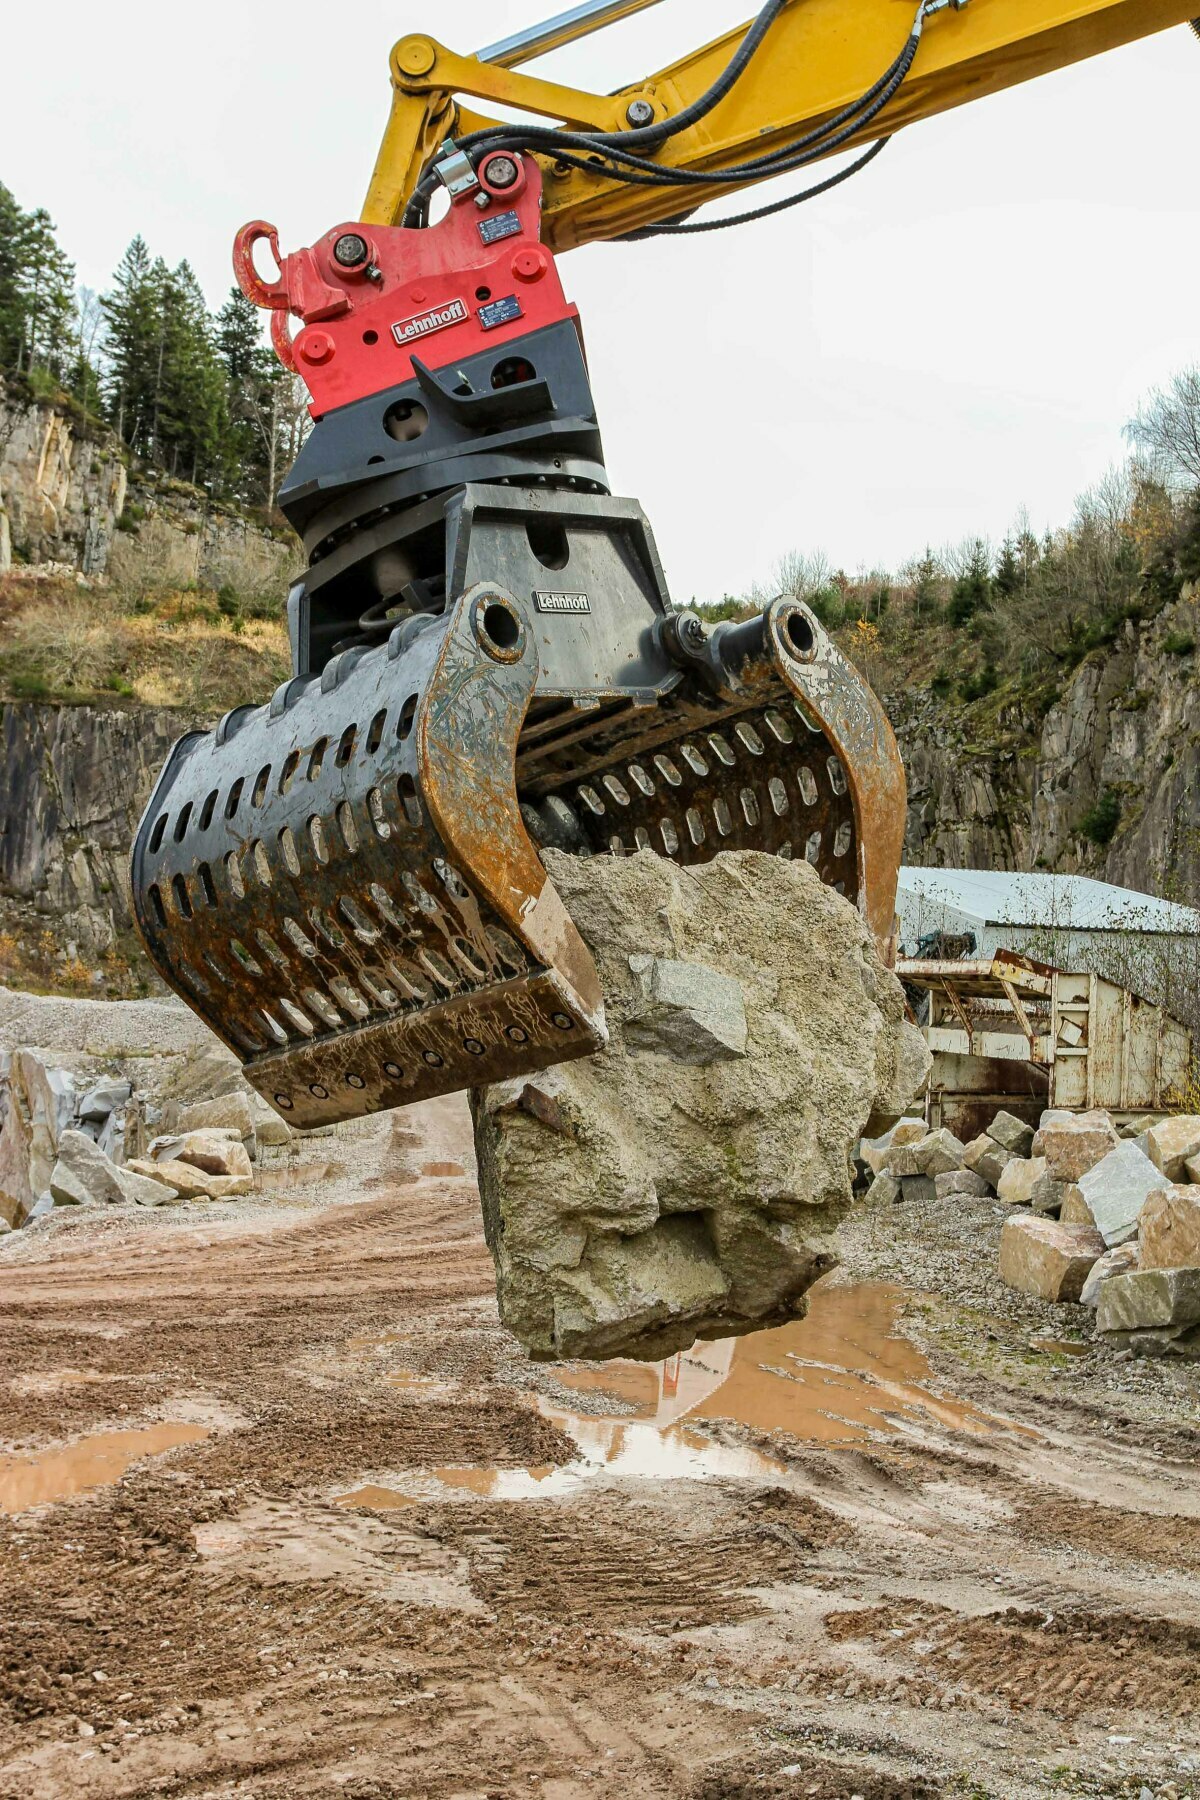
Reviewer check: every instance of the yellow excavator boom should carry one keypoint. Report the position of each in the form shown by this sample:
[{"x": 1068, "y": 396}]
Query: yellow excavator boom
[{"x": 819, "y": 56}]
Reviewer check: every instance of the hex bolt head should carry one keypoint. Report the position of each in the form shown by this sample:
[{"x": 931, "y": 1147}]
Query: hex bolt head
[{"x": 639, "y": 113}]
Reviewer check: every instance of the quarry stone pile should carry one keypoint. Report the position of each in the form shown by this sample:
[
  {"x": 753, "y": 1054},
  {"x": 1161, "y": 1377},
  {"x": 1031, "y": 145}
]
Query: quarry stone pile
[
  {"x": 686, "y": 1181},
  {"x": 86, "y": 1085},
  {"x": 1096, "y": 1216}
]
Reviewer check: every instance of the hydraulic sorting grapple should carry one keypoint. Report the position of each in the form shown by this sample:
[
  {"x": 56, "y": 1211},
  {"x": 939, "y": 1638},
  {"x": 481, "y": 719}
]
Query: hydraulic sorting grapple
[{"x": 345, "y": 883}]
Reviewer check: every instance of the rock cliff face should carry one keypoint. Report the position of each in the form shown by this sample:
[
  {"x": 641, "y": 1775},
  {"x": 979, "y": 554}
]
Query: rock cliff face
[
  {"x": 67, "y": 497},
  {"x": 1126, "y": 729},
  {"x": 75, "y": 780},
  {"x": 61, "y": 490}
]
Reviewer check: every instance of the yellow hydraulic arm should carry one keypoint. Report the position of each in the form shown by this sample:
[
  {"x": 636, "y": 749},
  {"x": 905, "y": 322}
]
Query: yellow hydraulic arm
[{"x": 819, "y": 55}]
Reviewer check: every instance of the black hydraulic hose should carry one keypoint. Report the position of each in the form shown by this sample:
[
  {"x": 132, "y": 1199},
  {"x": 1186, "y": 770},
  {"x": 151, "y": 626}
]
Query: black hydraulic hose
[
  {"x": 761, "y": 212},
  {"x": 611, "y": 154},
  {"x": 806, "y": 150},
  {"x": 646, "y": 136}
]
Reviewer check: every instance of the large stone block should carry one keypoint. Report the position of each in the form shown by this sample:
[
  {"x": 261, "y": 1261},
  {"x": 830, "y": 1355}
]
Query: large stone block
[
  {"x": 1116, "y": 1189},
  {"x": 876, "y": 1151},
  {"x": 230, "y": 1112},
  {"x": 962, "y": 1184},
  {"x": 103, "y": 1098},
  {"x": 1038, "y": 1256},
  {"x": 1114, "y": 1262},
  {"x": 1149, "y": 1299},
  {"x": 191, "y": 1182},
  {"x": 84, "y": 1175},
  {"x": 1019, "y": 1179},
  {"x": 1170, "y": 1144},
  {"x": 1012, "y": 1134},
  {"x": 635, "y": 1202},
  {"x": 1073, "y": 1208},
  {"x": 1181, "y": 1341},
  {"x": 215, "y": 1150},
  {"x": 1169, "y": 1228},
  {"x": 1075, "y": 1142},
  {"x": 938, "y": 1153},
  {"x": 90, "y": 1171},
  {"x": 885, "y": 1190},
  {"x": 984, "y": 1156}
]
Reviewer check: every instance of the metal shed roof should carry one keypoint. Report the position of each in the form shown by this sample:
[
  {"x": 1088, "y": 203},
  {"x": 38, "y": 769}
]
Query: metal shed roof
[{"x": 1066, "y": 902}]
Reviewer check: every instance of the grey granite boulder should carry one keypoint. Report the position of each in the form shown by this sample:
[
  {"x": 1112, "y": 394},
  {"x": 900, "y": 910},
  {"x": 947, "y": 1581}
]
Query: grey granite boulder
[
  {"x": 639, "y": 1199},
  {"x": 1012, "y": 1134},
  {"x": 1149, "y": 1299},
  {"x": 1117, "y": 1188}
]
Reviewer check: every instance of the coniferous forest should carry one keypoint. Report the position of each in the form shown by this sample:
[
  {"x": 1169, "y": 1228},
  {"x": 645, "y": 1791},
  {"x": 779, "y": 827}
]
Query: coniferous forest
[{"x": 195, "y": 393}]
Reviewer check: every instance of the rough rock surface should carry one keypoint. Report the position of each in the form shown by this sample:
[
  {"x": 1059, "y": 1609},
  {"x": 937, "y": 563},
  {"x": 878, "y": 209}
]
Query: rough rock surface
[
  {"x": 229, "y": 1112},
  {"x": 1038, "y": 1256},
  {"x": 1114, "y": 1262},
  {"x": 885, "y": 1190},
  {"x": 633, "y": 1202},
  {"x": 1073, "y": 1143},
  {"x": 1012, "y": 1134},
  {"x": 215, "y": 1150},
  {"x": 1020, "y": 1178},
  {"x": 983, "y": 1156},
  {"x": 1169, "y": 1229},
  {"x": 1116, "y": 1189},
  {"x": 1150, "y": 1299},
  {"x": 938, "y": 1154},
  {"x": 960, "y": 1181},
  {"x": 1073, "y": 1208},
  {"x": 191, "y": 1182},
  {"x": 84, "y": 1175},
  {"x": 1171, "y": 1143},
  {"x": 877, "y": 1152}
]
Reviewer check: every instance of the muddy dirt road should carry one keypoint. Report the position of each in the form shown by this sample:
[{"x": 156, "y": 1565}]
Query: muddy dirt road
[{"x": 284, "y": 1513}]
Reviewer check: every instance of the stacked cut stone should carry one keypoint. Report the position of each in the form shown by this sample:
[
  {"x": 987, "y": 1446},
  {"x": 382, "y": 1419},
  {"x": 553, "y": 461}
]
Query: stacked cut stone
[
  {"x": 1112, "y": 1223},
  {"x": 1108, "y": 1221}
]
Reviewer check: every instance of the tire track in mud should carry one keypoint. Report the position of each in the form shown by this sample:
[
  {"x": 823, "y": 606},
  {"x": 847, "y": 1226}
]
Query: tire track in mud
[
  {"x": 665, "y": 1640},
  {"x": 1069, "y": 1665}
]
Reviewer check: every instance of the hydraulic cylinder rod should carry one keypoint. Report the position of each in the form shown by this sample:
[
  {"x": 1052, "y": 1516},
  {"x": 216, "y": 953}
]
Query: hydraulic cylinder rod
[{"x": 564, "y": 28}]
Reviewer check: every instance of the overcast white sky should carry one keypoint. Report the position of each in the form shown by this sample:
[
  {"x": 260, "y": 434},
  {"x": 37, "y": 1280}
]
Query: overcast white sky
[{"x": 961, "y": 330}]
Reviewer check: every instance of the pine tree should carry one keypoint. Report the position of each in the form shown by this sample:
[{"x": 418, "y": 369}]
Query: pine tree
[
  {"x": 926, "y": 577},
  {"x": 49, "y": 280},
  {"x": 973, "y": 587},
  {"x": 132, "y": 314},
  {"x": 12, "y": 297},
  {"x": 1007, "y": 578}
]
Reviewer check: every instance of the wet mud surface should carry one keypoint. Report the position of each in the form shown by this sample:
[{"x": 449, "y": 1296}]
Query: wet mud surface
[{"x": 283, "y": 1512}]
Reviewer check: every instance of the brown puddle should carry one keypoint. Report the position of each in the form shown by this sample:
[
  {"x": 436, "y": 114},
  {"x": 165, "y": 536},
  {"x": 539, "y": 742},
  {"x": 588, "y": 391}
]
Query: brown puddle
[
  {"x": 838, "y": 1376},
  {"x": 442, "y": 1168},
  {"x": 95, "y": 1461}
]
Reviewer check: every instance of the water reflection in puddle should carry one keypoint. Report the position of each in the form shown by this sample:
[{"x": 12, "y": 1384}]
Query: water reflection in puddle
[
  {"x": 95, "y": 1461},
  {"x": 836, "y": 1377}
]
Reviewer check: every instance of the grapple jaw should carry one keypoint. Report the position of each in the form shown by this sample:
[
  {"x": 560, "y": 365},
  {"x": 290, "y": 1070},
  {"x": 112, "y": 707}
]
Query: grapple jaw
[{"x": 344, "y": 884}]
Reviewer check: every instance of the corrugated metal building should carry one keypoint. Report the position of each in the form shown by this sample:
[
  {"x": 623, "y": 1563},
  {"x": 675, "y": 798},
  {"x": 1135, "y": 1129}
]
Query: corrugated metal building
[{"x": 1149, "y": 945}]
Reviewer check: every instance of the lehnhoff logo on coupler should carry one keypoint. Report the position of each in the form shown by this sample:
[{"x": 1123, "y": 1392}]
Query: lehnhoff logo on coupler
[{"x": 422, "y": 324}]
